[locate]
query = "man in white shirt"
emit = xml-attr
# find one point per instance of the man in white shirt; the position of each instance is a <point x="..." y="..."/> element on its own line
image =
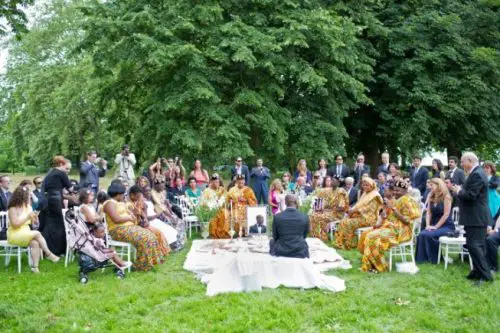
<point x="90" y="172"/>
<point x="339" y="170"/>
<point x="352" y="191"/>
<point x="125" y="162"/>
<point x="456" y="174"/>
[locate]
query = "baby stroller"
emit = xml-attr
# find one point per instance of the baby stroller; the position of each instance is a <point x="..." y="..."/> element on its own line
<point x="87" y="246"/>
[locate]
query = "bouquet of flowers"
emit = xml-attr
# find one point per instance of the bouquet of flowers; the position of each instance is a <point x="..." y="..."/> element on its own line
<point x="307" y="205"/>
<point x="206" y="211"/>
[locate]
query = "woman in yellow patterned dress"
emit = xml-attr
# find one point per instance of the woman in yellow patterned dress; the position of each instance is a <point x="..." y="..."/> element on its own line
<point x="238" y="197"/>
<point x="363" y="214"/>
<point x="19" y="233"/>
<point x="335" y="205"/>
<point x="396" y="228"/>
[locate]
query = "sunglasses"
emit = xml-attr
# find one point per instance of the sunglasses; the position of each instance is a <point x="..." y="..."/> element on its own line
<point x="239" y="161"/>
<point x="38" y="183"/>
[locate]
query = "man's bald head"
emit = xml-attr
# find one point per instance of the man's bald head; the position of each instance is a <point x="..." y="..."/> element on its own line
<point x="291" y="201"/>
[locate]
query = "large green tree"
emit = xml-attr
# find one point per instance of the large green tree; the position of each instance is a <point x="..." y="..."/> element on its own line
<point x="12" y="16"/>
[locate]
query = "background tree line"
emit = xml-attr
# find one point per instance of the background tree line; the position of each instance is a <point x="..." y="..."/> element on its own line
<point x="281" y="80"/>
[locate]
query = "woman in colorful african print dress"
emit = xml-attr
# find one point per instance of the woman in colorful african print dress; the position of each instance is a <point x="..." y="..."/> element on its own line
<point x="239" y="197"/>
<point x="363" y="214"/>
<point x="335" y="205"/>
<point x="121" y="228"/>
<point x="396" y="228"/>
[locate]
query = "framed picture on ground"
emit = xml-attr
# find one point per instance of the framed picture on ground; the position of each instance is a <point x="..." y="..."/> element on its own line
<point x="253" y="213"/>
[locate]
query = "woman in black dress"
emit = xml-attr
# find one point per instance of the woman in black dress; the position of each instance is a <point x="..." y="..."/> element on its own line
<point x="52" y="220"/>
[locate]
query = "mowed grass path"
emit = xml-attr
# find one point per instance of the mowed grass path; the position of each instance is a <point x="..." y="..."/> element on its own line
<point x="173" y="300"/>
<point x="170" y="299"/>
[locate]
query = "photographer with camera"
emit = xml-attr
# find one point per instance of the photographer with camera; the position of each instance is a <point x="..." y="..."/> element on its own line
<point x="91" y="170"/>
<point x="125" y="162"/>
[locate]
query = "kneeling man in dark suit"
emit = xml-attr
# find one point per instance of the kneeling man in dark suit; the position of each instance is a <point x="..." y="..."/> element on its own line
<point x="290" y="230"/>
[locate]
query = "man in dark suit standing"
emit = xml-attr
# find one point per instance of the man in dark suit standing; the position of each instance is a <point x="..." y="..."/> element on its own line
<point x="475" y="216"/>
<point x="259" y="227"/>
<point x="456" y="174"/>
<point x="90" y="172"/>
<point x="240" y="169"/>
<point x="419" y="175"/>
<point x="360" y="168"/>
<point x="5" y="194"/>
<point x="339" y="170"/>
<point x="260" y="174"/>
<point x="384" y="167"/>
<point x="290" y="230"/>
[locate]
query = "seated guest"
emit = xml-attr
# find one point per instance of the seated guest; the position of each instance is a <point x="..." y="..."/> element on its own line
<point x="322" y="169"/>
<point x="302" y="171"/>
<point x="493" y="181"/>
<point x="87" y="209"/>
<point x="360" y="168"/>
<point x="288" y="186"/>
<point x="142" y="182"/>
<point x="351" y="190"/>
<point x="302" y="190"/>
<point x="396" y="228"/>
<point x="290" y="230"/>
<point x="259" y="227"/>
<point x="21" y="216"/>
<point x="238" y="199"/>
<point x="384" y="167"/>
<point x="363" y="214"/>
<point x="394" y="172"/>
<point x="193" y="192"/>
<point x="214" y="192"/>
<point x="437" y="169"/>
<point x="138" y="208"/>
<point x="276" y="197"/>
<point x="317" y="182"/>
<point x="438" y="222"/>
<point x="121" y="226"/>
<point x="335" y="203"/>
<point x="449" y="186"/>
<point x="177" y="191"/>
<point x="492" y="243"/>
<point x="381" y="183"/>
<point x="427" y="191"/>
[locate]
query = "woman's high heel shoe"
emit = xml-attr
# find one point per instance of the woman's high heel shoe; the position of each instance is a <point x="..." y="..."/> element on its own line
<point x="52" y="257"/>
<point x="34" y="269"/>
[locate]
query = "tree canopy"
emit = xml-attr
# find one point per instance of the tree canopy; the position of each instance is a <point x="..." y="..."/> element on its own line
<point x="282" y="80"/>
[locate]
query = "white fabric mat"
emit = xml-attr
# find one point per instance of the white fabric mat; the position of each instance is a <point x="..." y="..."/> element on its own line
<point x="247" y="266"/>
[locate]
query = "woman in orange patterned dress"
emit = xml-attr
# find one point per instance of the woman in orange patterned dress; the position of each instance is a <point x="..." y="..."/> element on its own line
<point x="363" y="214"/>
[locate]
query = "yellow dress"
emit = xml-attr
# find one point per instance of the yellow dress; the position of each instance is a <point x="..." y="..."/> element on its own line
<point x="22" y="235"/>
<point x="331" y="201"/>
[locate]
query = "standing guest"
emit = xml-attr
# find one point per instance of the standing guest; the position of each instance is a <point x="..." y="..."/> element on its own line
<point x="90" y="172"/>
<point x="122" y="228"/>
<point x="200" y="175"/>
<point x="396" y="228"/>
<point x="5" y="194"/>
<point x="322" y="169"/>
<point x="438" y="222"/>
<point x="21" y="216"/>
<point x="352" y="191"/>
<point x="193" y="192"/>
<point x="339" y="170"/>
<point x="456" y="174"/>
<point x="290" y="230"/>
<point x="363" y="214"/>
<point x="437" y="169"/>
<point x="156" y="171"/>
<point x="492" y="243"/>
<point x="276" y="198"/>
<point x="175" y="169"/>
<point x="384" y="167"/>
<point x="419" y="174"/>
<point x="259" y="227"/>
<point x="381" y="182"/>
<point x="125" y="162"/>
<point x="360" y="168"/>
<point x="177" y="191"/>
<point x="240" y="169"/>
<point x="428" y="189"/>
<point x="302" y="171"/>
<point x="475" y="215"/>
<point x="454" y="198"/>
<point x="394" y="172"/>
<point x="288" y="186"/>
<point x="38" y="193"/>
<point x="493" y="181"/>
<point x="335" y="205"/>
<point x="51" y="217"/>
<point x="260" y="174"/>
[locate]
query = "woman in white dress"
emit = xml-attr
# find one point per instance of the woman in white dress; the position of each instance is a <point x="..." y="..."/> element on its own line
<point x="168" y="231"/>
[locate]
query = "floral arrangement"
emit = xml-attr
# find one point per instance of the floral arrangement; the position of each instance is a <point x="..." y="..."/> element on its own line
<point x="206" y="211"/>
<point x="306" y="205"/>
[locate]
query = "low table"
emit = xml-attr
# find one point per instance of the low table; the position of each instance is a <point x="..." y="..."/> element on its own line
<point x="246" y="265"/>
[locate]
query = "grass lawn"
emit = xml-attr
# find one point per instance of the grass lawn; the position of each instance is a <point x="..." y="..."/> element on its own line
<point x="172" y="300"/>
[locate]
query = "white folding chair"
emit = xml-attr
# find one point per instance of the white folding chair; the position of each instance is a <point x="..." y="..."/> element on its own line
<point x="452" y="245"/>
<point x="123" y="246"/>
<point x="188" y="216"/>
<point x="9" y="250"/>
<point x="406" y="248"/>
